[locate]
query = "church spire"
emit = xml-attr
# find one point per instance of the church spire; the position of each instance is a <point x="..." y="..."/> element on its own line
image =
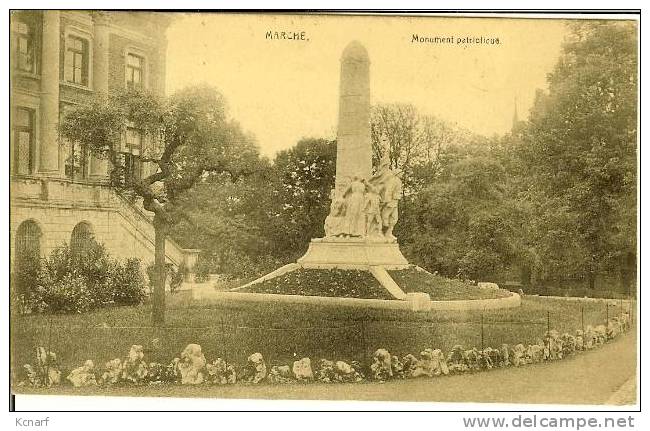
<point x="515" y="116"/>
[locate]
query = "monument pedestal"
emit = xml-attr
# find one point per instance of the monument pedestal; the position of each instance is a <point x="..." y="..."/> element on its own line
<point x="352" y="253"/>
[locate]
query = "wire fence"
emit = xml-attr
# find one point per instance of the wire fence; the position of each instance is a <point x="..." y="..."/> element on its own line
<point x="233" y="338"/>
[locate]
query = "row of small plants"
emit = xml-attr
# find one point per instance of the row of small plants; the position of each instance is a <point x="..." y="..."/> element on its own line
<point x="76" y="281"/>
<point x="192" y="368"/>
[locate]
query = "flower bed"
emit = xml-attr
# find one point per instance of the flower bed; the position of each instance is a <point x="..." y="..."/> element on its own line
<point x="323" y="282"/>
<point x="441" y="288"/>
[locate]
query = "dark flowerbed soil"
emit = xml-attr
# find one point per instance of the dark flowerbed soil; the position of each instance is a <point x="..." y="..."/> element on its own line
<point x="323" y="282"/>
<point x="442" y="288"/>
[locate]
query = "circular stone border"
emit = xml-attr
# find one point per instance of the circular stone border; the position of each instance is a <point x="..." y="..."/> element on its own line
<point x="412" y="303"/>
<point x="512" y="301"/>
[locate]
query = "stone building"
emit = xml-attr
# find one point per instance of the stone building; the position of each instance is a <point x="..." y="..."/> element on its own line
<point x="58" y="193"/>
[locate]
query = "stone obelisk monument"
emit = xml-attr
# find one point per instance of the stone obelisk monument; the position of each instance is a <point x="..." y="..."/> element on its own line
<point x="363" y="209"/>
<point x="354" y="150"/>
<point x="359" y="230"/>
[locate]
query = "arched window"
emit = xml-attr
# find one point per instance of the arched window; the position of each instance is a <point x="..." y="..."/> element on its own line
<point x="81" y="239"/>
<point x="28" y="244"/>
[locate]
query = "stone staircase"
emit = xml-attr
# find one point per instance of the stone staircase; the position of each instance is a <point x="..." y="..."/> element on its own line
<point x="57" y="205"/>
<point x="141" y="221"/>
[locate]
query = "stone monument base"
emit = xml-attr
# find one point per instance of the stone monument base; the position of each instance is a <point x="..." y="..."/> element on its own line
<point x="352" y="253"/>
<point x="377" y="256"/>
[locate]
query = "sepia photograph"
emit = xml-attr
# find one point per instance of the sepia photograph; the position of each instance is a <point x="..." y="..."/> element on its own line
<point x="335" y="206"/>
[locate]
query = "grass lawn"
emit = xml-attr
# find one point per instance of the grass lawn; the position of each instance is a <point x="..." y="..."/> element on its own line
<point x="285" y="332"/>
<point x="601" y="292"/>
<point x="441" y="288"/>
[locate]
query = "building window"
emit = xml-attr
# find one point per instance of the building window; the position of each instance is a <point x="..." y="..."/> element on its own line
<point x="27" y="256"/>
<point x="76" y="162"/>
<point x="28" y="243"/>
<point x="23" y="141"/>
<point x="76" y="60"/>
<point x="133" y="149"/>
<point x="24" y="46"/>
<point x="82" y="239"/>
<point x="134" y="71"/>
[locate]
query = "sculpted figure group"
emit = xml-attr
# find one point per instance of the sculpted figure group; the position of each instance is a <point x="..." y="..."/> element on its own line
<point x="364" y="208"/>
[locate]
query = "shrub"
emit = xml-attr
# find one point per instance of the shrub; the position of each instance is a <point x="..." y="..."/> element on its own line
<point x="24" y="280"/>
<point x="238" y="266"/>
<point x="202" y="269"/>
<point x="97" y="267"/>
<point x="69" y="294"/>
<point x="26" y="275"/>
<point x="175" y="276"/>
<point x="128" y="283"/>
<point x="94" y="266"/>
<point x="74" y="282"/>
<point x="478" y="264"/>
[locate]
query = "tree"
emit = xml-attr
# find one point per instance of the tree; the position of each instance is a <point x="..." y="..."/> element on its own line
<point x="418" y="144"/>
<point x="579" y="151"/>
<point x="264" y="219"/>
<point x="229" y="220"/>
<point x="402" y="126"/>
<point x="462" y="224"/>
<point x="186" y="138"/>
<point x="304" y="178"/>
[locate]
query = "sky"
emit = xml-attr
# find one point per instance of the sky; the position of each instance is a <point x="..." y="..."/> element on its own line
<point x="284" y="90"/>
